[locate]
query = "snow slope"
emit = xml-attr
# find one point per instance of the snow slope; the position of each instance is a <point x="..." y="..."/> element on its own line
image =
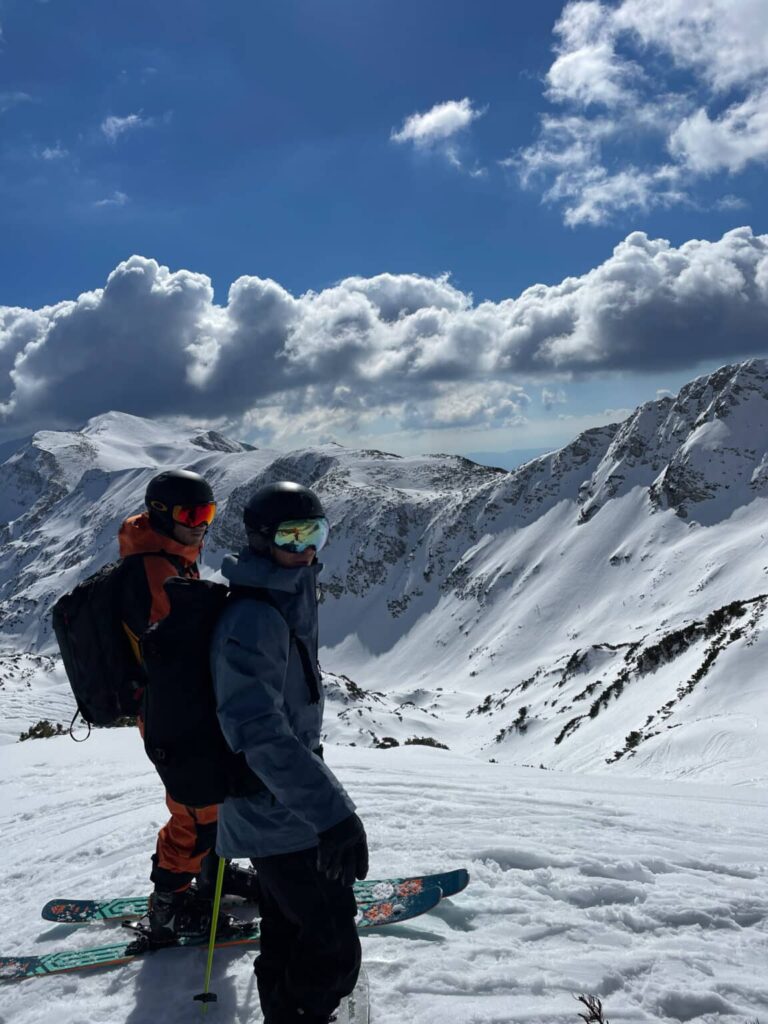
<point x="652" y="895"/>
<point x="600" y="609"/>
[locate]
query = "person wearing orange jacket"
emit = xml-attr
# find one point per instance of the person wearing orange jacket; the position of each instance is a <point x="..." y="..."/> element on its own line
<point x="170" y="533"/>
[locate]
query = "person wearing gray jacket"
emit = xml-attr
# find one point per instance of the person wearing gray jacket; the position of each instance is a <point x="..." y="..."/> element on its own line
<point x="300" y="830"/>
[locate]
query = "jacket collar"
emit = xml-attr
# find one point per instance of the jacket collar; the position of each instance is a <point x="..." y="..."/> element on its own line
<point x="247" y="569"/>
<point x="138" y="537"/>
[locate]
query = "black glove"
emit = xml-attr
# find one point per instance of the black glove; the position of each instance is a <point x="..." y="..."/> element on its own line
<point x="342" y="853"/>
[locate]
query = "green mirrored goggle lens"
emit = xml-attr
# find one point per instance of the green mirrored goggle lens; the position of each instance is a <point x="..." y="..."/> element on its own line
<point x="297" y="535"/>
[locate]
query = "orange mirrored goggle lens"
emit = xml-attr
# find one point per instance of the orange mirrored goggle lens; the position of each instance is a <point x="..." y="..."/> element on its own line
<point x="194" y="515"/>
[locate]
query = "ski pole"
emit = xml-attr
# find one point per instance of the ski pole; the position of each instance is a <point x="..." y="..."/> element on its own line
<point x="206" y="996"/>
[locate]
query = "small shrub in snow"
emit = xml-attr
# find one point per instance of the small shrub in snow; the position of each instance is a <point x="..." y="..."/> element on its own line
<point x="520" y="722"/>
<point x="633" y="739"/>
<point x="594" y="1014"/>
<point x="576" y="662"/>
<point x="386" y="742"/>
<point x="613" y="691"/>
<point x="720" y="617"/>
<point x="483" y="708"/>
<point x="42" y="730"/>
<point x="425" y="741"/>
<point x="519" y="725"/>
<point x="127" y="721"/>
<point x="355" y="692"/>
<point x="568" y="728"/>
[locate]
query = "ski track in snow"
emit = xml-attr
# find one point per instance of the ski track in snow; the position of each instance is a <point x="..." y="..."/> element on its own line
<point x="651" y="895"/>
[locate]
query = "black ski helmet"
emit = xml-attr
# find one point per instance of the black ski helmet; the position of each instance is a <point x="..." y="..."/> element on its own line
<point x="274" y="504"/>
<point x="174" y="487"/>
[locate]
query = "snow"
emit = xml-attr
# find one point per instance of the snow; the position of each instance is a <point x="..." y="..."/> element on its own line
<point x="651" y="894"/>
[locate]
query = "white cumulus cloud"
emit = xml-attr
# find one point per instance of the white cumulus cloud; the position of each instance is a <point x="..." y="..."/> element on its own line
<point x="727" y="142"/>
<point x="416" y="353"/>
<point x="440" y="130"/>
<point x="441" y="122"/>
<point x="684" y="84"/>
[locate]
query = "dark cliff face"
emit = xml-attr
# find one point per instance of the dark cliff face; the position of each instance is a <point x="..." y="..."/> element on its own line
<point x="692" y="450"/>
<point x="213" y="441"/>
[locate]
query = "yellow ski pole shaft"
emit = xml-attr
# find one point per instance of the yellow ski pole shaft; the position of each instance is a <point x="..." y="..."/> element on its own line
<point x="206" y="996"/>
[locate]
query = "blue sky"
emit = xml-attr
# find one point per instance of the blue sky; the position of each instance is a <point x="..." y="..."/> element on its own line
<point x="308" y="143"/>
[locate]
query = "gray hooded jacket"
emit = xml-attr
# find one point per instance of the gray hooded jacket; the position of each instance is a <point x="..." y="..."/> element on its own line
<point x="265" y="711"/>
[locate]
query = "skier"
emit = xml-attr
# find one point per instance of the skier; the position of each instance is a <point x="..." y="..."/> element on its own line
<point x="301" y="832"/>
<point x="179" y="509"/>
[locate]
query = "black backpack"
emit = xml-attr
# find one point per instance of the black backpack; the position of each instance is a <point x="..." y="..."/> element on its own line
<point x="182" y="736"/>
<point x="101" y="666"/>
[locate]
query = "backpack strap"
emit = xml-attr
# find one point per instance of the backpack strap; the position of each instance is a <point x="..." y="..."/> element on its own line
<point x="176" y="561"/>
<point x="140" y="587"/>
<point x="310" y="672"/>
<point x="71" y="729"/>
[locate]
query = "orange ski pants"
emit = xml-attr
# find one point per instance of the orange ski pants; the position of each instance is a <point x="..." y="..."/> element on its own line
<point x="182" y="844"/>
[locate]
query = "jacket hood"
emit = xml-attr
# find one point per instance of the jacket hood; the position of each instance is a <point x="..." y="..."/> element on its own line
<point x="251" y="570"/>
<point x="138" y="537"/>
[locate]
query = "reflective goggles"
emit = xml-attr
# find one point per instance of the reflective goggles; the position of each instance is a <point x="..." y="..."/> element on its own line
<point x="297" y="535"/>
<point x="194" y="515"/>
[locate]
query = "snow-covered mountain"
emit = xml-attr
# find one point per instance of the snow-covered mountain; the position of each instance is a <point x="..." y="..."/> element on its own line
<point x="600" y="608"/>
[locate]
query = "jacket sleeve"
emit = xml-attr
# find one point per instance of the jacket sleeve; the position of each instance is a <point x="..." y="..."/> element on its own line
<point x="249" y="669"/>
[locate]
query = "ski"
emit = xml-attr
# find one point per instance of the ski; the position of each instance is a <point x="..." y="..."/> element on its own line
<point x="369" y="915"/>
<point x="64" y="911"/>
<point x="355" y="1009"/>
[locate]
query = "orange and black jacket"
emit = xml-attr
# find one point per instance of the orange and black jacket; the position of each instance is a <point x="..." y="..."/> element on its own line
<point x="144" y="600"/>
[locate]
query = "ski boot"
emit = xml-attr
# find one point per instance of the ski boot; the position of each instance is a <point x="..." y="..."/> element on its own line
<point x="185" y="914"/>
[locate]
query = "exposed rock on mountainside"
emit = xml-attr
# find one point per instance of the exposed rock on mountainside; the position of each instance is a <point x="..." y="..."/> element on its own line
<point x="212" y="441"/>
<point x="692" y="449"/>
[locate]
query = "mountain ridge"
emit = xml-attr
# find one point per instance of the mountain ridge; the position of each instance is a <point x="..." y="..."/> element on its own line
<point x="456" y="583"/>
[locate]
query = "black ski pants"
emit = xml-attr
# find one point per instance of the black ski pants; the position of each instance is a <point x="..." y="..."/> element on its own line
<point x="310" y="949"/>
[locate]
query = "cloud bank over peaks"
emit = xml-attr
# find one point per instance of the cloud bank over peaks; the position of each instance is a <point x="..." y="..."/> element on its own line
<point x="394" y="351"/>
<point x="650" y="96"/>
